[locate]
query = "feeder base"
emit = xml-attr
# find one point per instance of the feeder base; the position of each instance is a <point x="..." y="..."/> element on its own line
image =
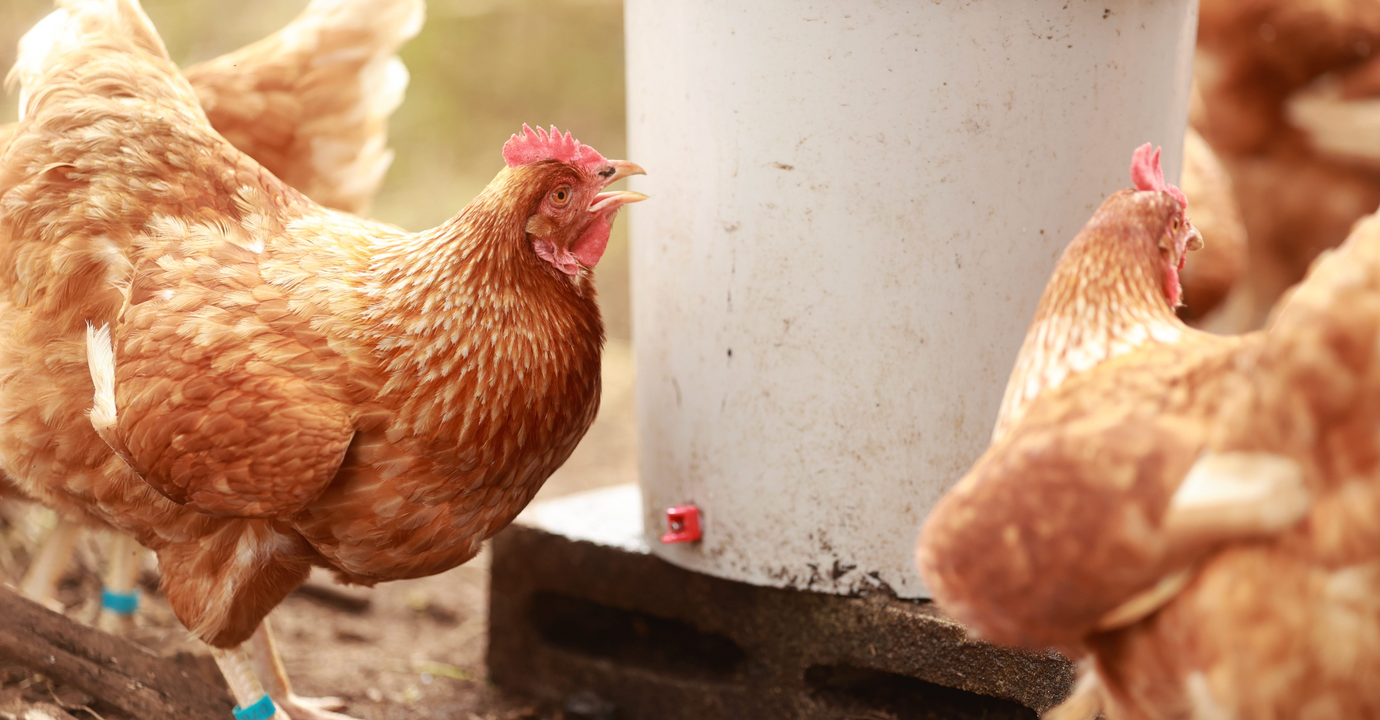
<point x="581" y="614"/>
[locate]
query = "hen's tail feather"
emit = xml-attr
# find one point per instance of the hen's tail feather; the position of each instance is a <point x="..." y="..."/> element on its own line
<point x="100" y="361"/>
<point x="1144" y="603"/>
<point x="312" y="101"/>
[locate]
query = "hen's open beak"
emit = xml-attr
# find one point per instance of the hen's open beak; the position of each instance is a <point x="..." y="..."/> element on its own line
<point x="613" y="172"/>
<point x="611" y="200"/>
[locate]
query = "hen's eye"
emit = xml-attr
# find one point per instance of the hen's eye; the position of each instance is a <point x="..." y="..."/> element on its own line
<point x="561" y="196"/>
<point x="1175" y="225"/>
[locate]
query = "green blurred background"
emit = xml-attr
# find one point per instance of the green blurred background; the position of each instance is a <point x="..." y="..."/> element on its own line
<point x="480" y="68"/>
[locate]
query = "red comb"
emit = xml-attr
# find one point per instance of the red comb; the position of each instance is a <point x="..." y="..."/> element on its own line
<point x="533" y="145"/>
<point x="1147" y="174"/>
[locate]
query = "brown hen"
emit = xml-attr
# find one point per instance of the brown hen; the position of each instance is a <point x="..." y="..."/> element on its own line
<point x="1072" y="520"/>
<point x="276" y="385"/>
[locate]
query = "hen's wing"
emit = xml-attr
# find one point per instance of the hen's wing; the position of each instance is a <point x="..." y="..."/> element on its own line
<point x="311" y="102"/>
<point x="218" y="391"/>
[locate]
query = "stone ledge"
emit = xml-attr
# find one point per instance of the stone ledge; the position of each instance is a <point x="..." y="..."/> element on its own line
<point x="600" y="614"/>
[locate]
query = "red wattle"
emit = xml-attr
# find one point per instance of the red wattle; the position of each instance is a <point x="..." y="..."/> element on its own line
<point x="591" y="245"/>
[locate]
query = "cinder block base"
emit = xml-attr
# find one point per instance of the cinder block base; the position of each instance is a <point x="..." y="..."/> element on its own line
<point x="578" y="605"/>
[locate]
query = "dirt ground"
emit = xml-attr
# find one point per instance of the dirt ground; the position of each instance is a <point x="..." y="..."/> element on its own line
<point x="416" y="650"/>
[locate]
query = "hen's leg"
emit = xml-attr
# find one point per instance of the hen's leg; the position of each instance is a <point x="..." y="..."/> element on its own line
<point x="119" y="597"/>
<point x="41" y="581"/>
<point x="270" y="668"/>
<point x="250" y="699"/>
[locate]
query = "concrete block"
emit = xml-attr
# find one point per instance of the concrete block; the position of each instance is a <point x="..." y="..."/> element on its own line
<point x="581" y="612"/>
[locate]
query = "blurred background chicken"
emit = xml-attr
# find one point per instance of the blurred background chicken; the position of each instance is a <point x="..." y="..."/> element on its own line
<point x="311" y="103"/>
<point x="1286" y="627"/>
<point x="1088" y="515"/>
<point x="1070" y="521"/>
<point x="1286" y="95"/>
<point x="1237" y="584"/>
<point x="1210" y="273"/>
<point x="411" y="430"/>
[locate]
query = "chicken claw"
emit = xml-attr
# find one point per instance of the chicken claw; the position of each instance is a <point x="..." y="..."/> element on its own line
<point x="269" y="667"/>
<point x="304" y="708"/>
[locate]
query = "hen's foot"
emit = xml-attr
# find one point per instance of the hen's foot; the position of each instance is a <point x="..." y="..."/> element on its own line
<point x="308" y="708"/>
<point x="270" y="669"/>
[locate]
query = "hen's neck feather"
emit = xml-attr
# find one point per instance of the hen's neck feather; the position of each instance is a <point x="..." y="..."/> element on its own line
<point x="1105" y="299"/>
<point x="470" y="297"/>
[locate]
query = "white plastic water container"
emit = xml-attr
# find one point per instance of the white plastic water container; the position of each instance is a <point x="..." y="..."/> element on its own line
<point x="855" y="207"/>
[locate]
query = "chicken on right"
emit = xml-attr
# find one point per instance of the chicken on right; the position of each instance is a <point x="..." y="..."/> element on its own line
<point x="1196" y="518"/>
<point x="1077" y="520"/>
<point x="1287" y="626"/>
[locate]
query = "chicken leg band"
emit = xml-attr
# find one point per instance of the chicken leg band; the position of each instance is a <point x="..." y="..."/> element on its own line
<point x="261" y="710"/>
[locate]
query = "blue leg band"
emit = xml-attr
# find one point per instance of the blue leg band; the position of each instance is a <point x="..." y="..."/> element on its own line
<point x="118" y="602"/>
<point x="261" y="710"/>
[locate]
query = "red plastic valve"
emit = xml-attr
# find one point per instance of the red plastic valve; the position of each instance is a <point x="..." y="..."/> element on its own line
<point x="684" y="524"/>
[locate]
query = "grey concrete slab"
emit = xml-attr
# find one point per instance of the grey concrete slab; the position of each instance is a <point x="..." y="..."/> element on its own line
<point x="581" y="612"/>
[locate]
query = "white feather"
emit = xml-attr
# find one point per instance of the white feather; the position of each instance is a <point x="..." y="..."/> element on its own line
<point x="100" y="359"/>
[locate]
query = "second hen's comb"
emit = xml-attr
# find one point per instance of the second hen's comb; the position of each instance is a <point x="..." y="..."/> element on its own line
<point x="533" y="145"/>
<point x="1148" y="176"/>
